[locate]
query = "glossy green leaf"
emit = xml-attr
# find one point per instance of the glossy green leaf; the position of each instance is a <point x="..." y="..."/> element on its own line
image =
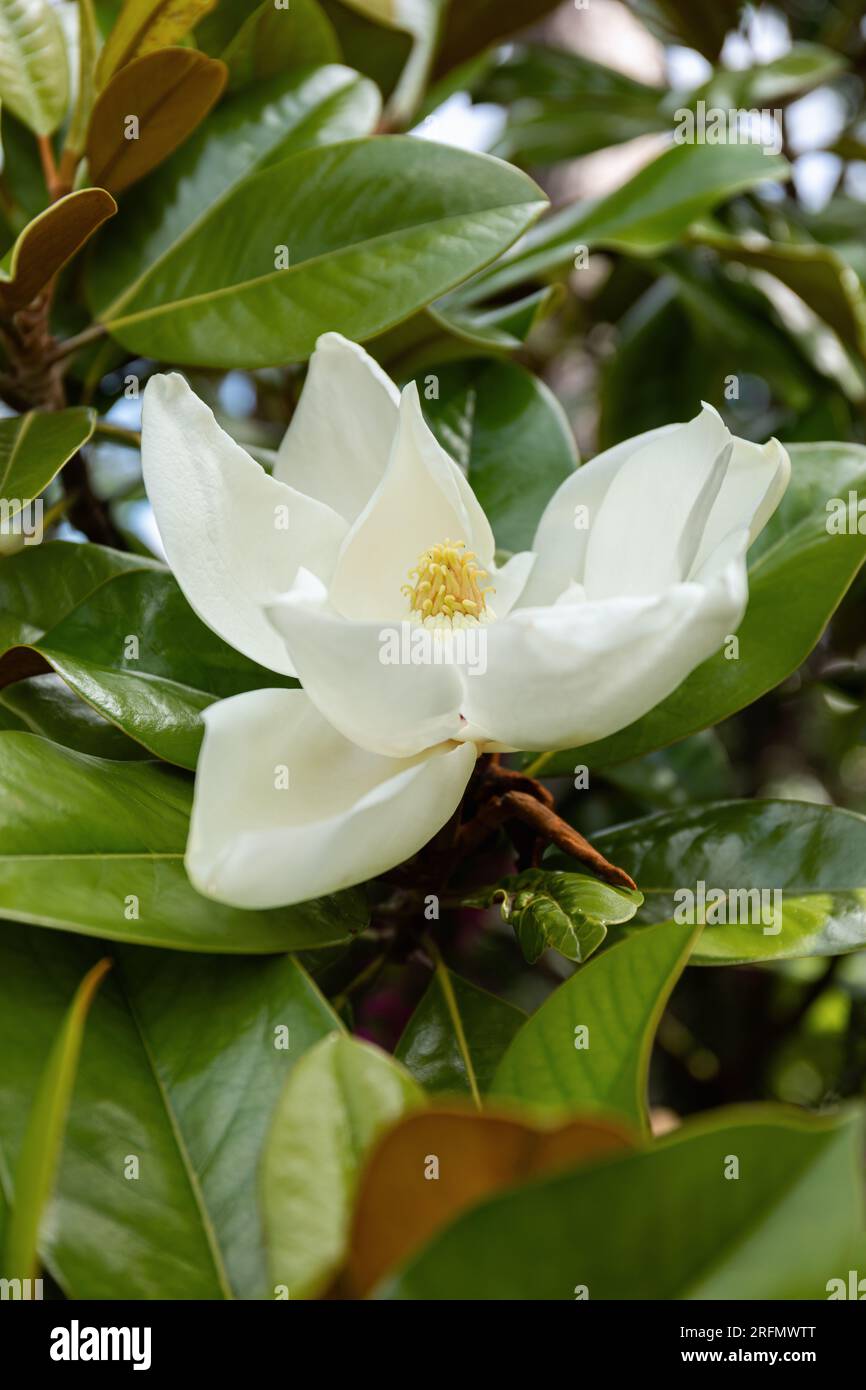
<point x="34" y="79"/>
<point x="648" y="213"/>
<point x="48" y="242"/>
<point x="41" y="584"/>
<point x="93" y="846"/>
<point x="376" y="50"/>
<point x="667" y="1223"/>
<point x="588" y="1046"/>
<point x="45" y="705"/>
<point x="447" y="1039"/>
<point x="813" y="857"/>
<point x="39" y="1155"/>
<point x="509" y="433"/>
<point x="776" y="635"/>
<point x="244" y="134"/>
<point x="333" y="1107"/>
<point x="565" y="912"/>
<point x="356" y="264"/>
<point x="136" y="652"/>
<point x="182" y="1065"/>
<point x="272" y="41"/>
<point x="33" y="449"/>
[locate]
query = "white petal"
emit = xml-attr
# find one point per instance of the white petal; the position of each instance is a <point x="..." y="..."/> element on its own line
<point x="654" y="511"/>
<point x="221" y="519"/>
<point x="422" y="500"/>
<point x="509" y="582"/>
<point x="338" y="443"/>
<point x="752" y="490"/>
<point x="562" y="533"/>
<point x="567" y="675"/>
<point x="344" y="817"/>
<point x="347" y="669"/>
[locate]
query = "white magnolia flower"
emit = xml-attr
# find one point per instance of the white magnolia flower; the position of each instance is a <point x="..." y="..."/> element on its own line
<point x="416" y="651"/>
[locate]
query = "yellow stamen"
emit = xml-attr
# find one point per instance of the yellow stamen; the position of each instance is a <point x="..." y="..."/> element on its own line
<point x="445" y="586"/>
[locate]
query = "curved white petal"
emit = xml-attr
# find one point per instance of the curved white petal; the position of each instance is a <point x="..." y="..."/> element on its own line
<point x="509" y="582"/>
<point x="362" y="676"/>
<point x="563" y="531"/>
<point x="286" y="809"/>
<point x="422" y="500"/>
<point x="567" y="675"/>
<point x="234" y="537"/>
<point x="652" y="518"/>
<point x="754" y="485"/>
<point x="337" y="446"/>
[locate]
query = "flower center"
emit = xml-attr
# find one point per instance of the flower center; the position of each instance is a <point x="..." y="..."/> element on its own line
<point x="444" y="588"/>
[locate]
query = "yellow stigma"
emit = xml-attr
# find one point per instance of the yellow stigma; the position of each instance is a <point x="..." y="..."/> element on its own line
<point x="445" y="589"/>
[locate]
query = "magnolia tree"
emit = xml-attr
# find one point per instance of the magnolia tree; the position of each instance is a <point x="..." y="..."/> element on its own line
<point x="372" y="772"/>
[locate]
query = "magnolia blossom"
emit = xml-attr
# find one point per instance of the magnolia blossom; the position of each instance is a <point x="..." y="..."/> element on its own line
<point x="365" y="567"/>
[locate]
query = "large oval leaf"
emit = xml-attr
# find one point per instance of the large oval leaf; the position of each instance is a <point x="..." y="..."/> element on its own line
<point x="182" y="1064"/>
<point x="333" y="1107"/>
<point x="244" y="134"/>
<point x="667" y="1223"/>
<point x="143" y="26"/>
<point x="34" y="77"/>
<point x="34" y="447"/>
<point x="618" y="998"/>
<point x="776" y="635"/>
<point x="255" y="285"/>
<point x="813" y="857"/>
<point x="97" y="847"/>
<point x="155" y="687"/>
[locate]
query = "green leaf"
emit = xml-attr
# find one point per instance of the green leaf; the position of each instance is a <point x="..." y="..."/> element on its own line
<point x="41" y="584"/>
<point x="648" y="213"/>
<point x="356" y="264"/>
<point x="563" y="105"/>
<point x="775" y="637"/>
<point x="33" y="449"/>
<point x="34" y="79"/>
<point x="143" y="26"/>
<point x="272" y="41"/>
<point x="698" y="769"/>
<point x="804" y="66"/>
<point x="337" y="1101"/>
<point x="44" y="705"/>
<point x="813" y="856"/>
<point x="447" y="1040"/>
<point x="816" y="273"/>
<point x="39" y="1154"/>
<point x="618" y="998"/>
<point x="48" y="242"/>
<point x="170" y="92"/>
<point x="156" y="691"/>
<point x="244" y="134"/>
<point x="565" y="912"/>
<point x="665" y="1223"/>
<point x="93" y="846"/>
<point x="510" y="435"/>
<point x="182" y="1066"/>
